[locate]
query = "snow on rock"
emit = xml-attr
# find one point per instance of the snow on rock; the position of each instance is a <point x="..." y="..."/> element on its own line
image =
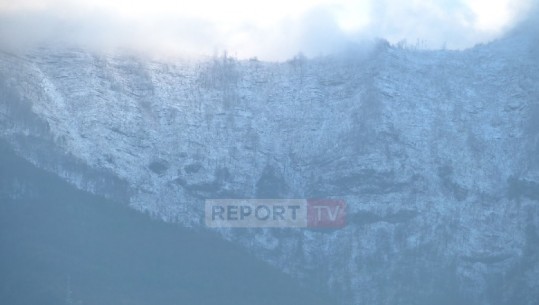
<point x="435" y="152"/>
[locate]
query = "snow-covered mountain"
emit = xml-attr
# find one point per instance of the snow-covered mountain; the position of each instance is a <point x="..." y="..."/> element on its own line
<point x="435" y="152"/>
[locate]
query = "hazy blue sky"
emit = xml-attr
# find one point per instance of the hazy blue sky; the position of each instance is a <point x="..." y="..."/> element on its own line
<point x="269" y="29"/>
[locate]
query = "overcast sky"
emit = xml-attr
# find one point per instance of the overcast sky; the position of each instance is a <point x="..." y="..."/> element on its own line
<point x="268" y="29"/>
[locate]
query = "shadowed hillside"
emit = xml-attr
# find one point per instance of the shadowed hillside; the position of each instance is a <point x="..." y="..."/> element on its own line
<point x="59" y="245"/>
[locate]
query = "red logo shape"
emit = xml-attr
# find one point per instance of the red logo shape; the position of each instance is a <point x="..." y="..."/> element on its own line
<point x="326" y="213"/>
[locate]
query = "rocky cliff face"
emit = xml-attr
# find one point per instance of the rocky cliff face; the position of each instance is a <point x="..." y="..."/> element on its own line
<point x="435" y="152"/>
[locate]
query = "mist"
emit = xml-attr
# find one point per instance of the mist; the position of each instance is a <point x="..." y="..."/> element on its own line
<point x="270" y="31"/>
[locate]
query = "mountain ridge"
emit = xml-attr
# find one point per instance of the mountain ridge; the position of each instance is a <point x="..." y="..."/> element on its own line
<point x="441" y="135"/>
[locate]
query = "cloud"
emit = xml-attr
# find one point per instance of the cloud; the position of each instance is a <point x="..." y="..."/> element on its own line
<point x="101" y="30"/>
<point x="273" y="30"/>
<point x="455" y="24"/>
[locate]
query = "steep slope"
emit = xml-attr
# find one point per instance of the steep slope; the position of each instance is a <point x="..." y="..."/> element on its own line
<point x="64" y="246"/>
<point x="435" y="152"/>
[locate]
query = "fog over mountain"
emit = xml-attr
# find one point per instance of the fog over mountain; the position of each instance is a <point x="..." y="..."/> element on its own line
<point x="436" y="153"/>
<point x="270" y="30"/>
